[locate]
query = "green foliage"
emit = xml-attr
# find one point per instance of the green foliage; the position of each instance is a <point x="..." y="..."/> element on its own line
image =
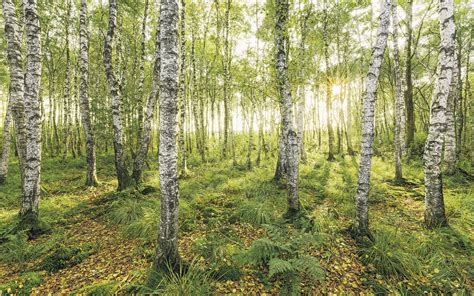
<point x="387" y="256"/>
<point x="256" y="212"/>
<point x="23" y="285"/>
<point x="281" y="253"/>
<point x="188" y="280"/>
<point x="65" y="256"/>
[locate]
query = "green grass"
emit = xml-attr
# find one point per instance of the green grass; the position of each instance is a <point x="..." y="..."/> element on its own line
<point x="218" y="200"/>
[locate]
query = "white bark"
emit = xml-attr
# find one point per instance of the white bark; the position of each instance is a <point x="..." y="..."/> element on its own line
<point x="15" y="60"/>
<point x="450" y="157"/>
<point x="182" y="91"/>
<point x="288" y="135"/>
<point x="67" y="87"/>
<point x="167" y="250"/>
<point x="122" y="172"/>
<point x="91" y="178"/>
<point x="145" y="138"/>
<point x="361" y="225"/>
<point x="434" y="200"/>
<point x="31" y="187"/>
<point x="399" y="104"/>
<point x="6" y="143"/>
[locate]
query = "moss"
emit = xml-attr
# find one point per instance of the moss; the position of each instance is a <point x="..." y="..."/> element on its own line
<point x="33" y="225"/>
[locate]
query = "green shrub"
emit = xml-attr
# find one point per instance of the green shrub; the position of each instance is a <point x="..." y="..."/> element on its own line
<point x="23" y="285"/>
<point x="388" y="257"/>
<point x="256" y="212"/>
<point x="281" y="253"/>
<point x="188" y="280"/>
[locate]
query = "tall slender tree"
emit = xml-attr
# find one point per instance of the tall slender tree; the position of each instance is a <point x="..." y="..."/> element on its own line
<point x="167" y="249"/>
<point x="450" y="157"/>
<point x="361" y="223"/>
<point x="91" y="177"/>
<point x="410" y="111"/>
<point x="328" y="86"/>
<point x="67" y="85"/>
<point x="145" y="138"/>
<point x="120" y="166"/>
<point x="6" y="143"/>
<point x="182" y="91"/>
<point x="17" y="87"/>
<point x="288" y="134"/>
<point x="434" y="200"/>
<point x="32" y="174"/>
<point x="399" y="105"/>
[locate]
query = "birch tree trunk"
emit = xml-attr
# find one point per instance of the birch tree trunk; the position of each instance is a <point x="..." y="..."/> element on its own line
<point x="141" y="82"/>
<point x="434" y="200"/>
<point x="227" y="125"/>
<point x="67" y="87"/>
<point x="15" y="60"/>
<point x="450" y="141"/>
<point x="145" y="138"/>
<point x="91" y="177"/>
<point x="182" y="92"/>
<point x="288" y="135"/>
<point x="301" y="91"/>
<point x="399" y="105"/>
<point x="328" y="89"/>
<point x="31" y="186"/>
<point x="361" y="223"/>
<point x="6" y="143"/>
<point x="167" y="249"/>
<point x="410" y="113"/>
<point x="120" y="167"/>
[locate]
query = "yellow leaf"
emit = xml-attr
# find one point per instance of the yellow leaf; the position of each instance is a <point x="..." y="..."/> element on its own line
<point x="436" y="270"/>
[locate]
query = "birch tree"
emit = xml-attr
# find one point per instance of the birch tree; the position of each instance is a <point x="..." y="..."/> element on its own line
<point x="328" y="87"/>
<point x="15" y="61"/>
<point x="450" y="157"/>
<point x="399" y="105"/>
<point x="182" y="91"/>
<point x="120" y="167"/>
<point x="434" y="200"/>
<point x="67" y="85"/>
<point x="288" y="134"/>
<point x="91" y="177"/>
<point x="145" y="138"/>
<point x="31" y="186"/>
<point x="361" y="223"/>
<point x="167" y="249"/>
<point x="6" y="143"/>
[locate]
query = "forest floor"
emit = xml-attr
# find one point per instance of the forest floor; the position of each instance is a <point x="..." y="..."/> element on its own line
<point x="233" y="235"/>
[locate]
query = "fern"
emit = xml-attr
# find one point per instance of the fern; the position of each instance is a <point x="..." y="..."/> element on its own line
<point x="309" y="265"/>
<point x="256" y="213"/>
<point x="280" y="266"/>
<point x="262" y="250"/>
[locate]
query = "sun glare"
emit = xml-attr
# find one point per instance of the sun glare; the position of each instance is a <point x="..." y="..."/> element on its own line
<point x="336" y="89"/>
